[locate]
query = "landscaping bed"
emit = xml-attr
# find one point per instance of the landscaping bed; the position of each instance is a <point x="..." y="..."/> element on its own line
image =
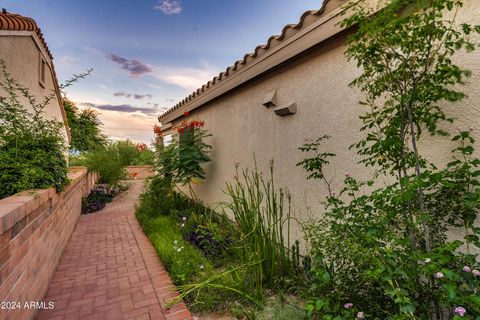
<point x="210" y="259"/>
<point x="102" y="194"/>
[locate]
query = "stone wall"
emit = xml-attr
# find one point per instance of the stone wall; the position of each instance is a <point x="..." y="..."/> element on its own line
<point x="35" y="227"/>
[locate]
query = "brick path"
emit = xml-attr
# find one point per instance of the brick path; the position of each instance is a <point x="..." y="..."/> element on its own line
<point x="109" y="270"/>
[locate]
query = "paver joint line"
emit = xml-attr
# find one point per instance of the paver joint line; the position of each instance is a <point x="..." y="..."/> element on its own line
<point x="109" y="269"/>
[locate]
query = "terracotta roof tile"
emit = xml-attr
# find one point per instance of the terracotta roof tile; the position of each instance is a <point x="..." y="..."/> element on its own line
<point x="16" y="22"/>
<point x="289" y="30"/>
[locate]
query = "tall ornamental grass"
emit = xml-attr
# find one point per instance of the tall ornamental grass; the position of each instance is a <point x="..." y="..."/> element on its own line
<point x="262" y="215"/>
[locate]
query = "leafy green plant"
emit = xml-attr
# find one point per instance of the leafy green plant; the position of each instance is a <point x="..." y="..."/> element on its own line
<point x="85" y="128"/>
<point x="106" y="162"/>
<point x="32" y="148"/>
<point x="182" y="161"/>
<point x="395" y="260"/>
<point x="190" y="269"/>
<point x="192" y="152"/>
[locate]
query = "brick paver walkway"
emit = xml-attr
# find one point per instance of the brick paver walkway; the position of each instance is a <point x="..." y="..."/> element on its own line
<point x="109" y="270"/>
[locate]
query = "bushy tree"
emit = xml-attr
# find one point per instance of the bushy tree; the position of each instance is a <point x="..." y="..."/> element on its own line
<point x="85" y="128"/>
<point x="32" y="148"/>
<point x="386" y="254"/>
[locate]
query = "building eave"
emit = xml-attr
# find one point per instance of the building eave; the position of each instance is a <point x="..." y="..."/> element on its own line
<point x="314" y="27"/>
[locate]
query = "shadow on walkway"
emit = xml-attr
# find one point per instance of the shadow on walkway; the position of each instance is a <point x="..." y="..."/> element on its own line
<point x="109" y="270"/>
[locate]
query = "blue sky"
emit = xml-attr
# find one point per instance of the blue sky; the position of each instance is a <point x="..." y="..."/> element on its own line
<point x="148" y="54"/>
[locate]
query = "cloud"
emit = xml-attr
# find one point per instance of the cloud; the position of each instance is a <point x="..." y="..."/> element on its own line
<point x="121" y="122"/>
<point x="187" y="78"/>
<point x="120" y="108"/>
<point x="169" y="6"/>
<point x="135" y="67"/>
<point x="66" y="61"/>
<point x="130" y="95"/>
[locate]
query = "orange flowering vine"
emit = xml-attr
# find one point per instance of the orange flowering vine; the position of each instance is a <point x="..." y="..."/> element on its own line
<point x="157" y="130"/>
<point x="141" y="147"/>
<point x="189" y="125"/>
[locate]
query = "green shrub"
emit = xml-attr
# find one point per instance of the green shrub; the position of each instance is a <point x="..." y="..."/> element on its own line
<point x="144" y="157"/>
<point x="185" y="263"/>
<point x="78" y="160"/>
<point x="85" y="128"/>
<point x="107" y="164"/>
<point x="182" y="161"/>
<point x="127" y="152"/>
<point x="385" y="254"/>
<point x="130" y="153"/>
<point x="31" y="161"/>
<point x="31" y="147"/>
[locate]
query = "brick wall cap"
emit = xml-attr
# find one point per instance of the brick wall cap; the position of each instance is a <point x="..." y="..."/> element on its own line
<point x="17" y="206"/>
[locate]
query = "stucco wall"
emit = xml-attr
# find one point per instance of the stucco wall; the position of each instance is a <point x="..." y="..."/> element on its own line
<point x="318" y="82"/>
<point x="21" y="55"/>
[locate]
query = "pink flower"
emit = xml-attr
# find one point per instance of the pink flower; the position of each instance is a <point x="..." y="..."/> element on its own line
<point x="360" y="315"/>
<point x="476" y="273"/>
<point x="460" y="311"/>
<point x="348" y="305"/>
<point x="467" y="269"/>
<point x="439" y="275"/>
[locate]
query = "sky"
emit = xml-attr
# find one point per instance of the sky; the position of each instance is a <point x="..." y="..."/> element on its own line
<point x="147" y="55"/>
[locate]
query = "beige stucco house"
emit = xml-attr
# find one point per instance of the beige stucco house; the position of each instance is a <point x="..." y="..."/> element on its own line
<point x="30" y="62"/>
<point x="295" y="87"/>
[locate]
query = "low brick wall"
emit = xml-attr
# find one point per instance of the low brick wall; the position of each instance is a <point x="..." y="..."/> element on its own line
<point x="140" y="172"/>
<point x="35" y="227"/>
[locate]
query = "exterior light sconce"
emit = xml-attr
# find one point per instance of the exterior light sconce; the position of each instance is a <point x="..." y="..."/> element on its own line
<point x="286" y="110"/>
<point x="270" y="99"/>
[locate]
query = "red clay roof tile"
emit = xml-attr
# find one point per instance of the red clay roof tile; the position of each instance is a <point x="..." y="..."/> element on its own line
<point x="16" y="22"/>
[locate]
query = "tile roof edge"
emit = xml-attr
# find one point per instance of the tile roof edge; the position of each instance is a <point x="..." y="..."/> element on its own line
<point x="16" y="22"/>
<point x="231" y="69"/>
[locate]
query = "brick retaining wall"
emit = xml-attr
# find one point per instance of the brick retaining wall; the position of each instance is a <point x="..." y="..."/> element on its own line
<point x="35" y="227"/>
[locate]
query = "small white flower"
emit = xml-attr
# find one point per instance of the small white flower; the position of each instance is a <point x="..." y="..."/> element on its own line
<point x="428" y="260"/>
<point x="201" y="266"/>
<point x="182" y="225"/>
<point x="439" y="275"/>
<point x="184" y="218"/>
<point x="360" y="315"/>
<point x="175" y="242"/>
<point x="179" y="249"/>
<point x="476" y="273"/>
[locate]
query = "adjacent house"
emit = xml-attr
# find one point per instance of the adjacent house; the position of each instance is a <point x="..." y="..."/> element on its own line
<point x="295" y="87"/>
<point x="30" y="62"/>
